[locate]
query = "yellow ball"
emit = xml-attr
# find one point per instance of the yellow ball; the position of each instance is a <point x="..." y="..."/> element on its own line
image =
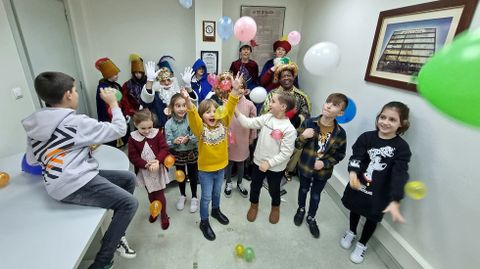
<point x="4" y="178"/>
<point x="239" y="250"/>
<point x="416" y="190"/>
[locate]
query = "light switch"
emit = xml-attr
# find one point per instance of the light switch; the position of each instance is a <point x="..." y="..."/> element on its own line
<point x="17" y="93"/>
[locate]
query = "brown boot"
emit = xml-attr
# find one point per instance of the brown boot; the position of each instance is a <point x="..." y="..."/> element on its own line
<point x="274" y="214"/>
<point x="252" y="212"/>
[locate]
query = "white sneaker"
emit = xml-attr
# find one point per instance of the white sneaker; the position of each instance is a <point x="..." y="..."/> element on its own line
<point x="193" y="205"/>
<point x="181" y="203"/>
<point x="228" y="190"/>
<point x="346" y="241"/>
<point x="124" y="250"/>
<point x="358" y="253"/>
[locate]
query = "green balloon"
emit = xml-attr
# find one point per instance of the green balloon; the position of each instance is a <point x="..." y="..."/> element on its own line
<point x="249" y="254"/>
<point x="450" y="80"/>
<point x="119" y="95"/>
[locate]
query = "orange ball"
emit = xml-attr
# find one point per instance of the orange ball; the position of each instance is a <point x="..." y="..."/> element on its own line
<point x="155" y="208"/>
<point x="179" y="176"/>
<point x="4" y="178"/>
<point x="169" y="161"/>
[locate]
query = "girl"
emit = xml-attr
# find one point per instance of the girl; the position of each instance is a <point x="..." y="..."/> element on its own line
<point x="147" y="150"/>
<point x="238" y="149"/>
<point x="378" y="172"/>
<point x="212" y="149"/>
<point x="183" y="145"/>
<point x="275" y="145"/>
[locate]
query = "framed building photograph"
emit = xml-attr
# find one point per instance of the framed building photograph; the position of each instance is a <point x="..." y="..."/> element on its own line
<point x="406" y="37"/>
<point x="208" y="31"/>
<point x="210" y="58"/>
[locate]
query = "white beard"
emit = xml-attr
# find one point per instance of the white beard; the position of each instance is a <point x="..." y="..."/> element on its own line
<point x="166" y="92"/>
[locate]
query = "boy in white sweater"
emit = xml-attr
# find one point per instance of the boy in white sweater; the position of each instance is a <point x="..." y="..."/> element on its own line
<point x="275" y="145"/>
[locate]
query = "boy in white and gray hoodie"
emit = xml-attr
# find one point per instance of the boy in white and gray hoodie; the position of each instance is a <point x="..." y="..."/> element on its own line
<point x="59" y="140"/>
<point x="275" y="145"/>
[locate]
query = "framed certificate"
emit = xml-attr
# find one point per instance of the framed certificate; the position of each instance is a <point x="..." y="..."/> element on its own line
<point x="210" y="58"/>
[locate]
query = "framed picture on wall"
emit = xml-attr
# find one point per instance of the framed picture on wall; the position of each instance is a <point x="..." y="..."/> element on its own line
<point x="269" y="29"/>
<point x="210" y="58"/>
<point x="406" y="37"/>
<point x="208" y="31"/>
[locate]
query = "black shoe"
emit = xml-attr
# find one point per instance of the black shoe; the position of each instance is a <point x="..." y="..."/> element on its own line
<point x="312" y="225"/>
<point x="217" y="214"/>
<point x="247" y="177"/>
<point x="242" y="190"/>
<point x="207" y="230"/>
<point x="298" y="219"/>
<point x="283" y="192"/>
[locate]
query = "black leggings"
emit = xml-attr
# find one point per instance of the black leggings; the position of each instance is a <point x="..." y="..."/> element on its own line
<point x="192" y="175"/>
<point x="368" y="228"/>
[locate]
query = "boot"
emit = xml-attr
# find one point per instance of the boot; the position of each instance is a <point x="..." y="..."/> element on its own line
<point x="207" y="230"/>
<point x="252" y="212"/>
<point x="274" y="214"/>
<point x="217" y="214"/>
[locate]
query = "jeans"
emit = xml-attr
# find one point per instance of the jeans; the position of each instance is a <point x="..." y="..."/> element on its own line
<point x="211" y="183"/>
<point x="317" y="186"/>
<point x="240" y="171"/>
<point x="110" y="189"/>
<point x="273" y="178"/>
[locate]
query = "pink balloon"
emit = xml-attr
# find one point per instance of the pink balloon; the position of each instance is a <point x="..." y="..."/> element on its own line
<point x="277" y="134"/>
<point x="245" y="29"/>
<point x="294" y="37"/>
<point x="231" y="138"/>
<point x="212" y="79"/>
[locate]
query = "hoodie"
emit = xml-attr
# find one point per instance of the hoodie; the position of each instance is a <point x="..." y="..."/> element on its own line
<point x="59" y="140"/>
<point x="201" y="86"/>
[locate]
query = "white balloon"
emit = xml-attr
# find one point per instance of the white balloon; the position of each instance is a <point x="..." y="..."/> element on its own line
<point x="321" y="58"/>
<point x="258" y="95"/>
<point x="186" y="3"/>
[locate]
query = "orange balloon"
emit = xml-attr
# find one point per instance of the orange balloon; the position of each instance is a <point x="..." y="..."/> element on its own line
<point x="169" y="161"/>
<point x="4" y="178"/>
<point x="179" y="175"/>
<point x="155" y="208"/>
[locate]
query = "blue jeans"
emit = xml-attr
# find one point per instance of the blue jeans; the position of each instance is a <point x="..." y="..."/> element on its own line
<point x="110" y="189"/>
<point x="211" y="183"/>
<point x="315" y="186"/>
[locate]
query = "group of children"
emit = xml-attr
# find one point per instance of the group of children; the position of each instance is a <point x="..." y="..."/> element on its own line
<point x="206" y="142"/>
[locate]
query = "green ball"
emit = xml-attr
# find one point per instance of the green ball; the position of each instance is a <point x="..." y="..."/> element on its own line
<point x="119" y="95"/>
<point x="450" y="80"/>
<point x="249" y="254"/>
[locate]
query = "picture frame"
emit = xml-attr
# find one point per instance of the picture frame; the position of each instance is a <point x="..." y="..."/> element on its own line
<point x="210" y="58"/>
<point x="209" y="31"/>
<point x="406" y="37"/>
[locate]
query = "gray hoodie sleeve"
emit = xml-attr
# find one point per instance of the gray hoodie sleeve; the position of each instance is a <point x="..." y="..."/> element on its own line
<point x="91" y="131"/>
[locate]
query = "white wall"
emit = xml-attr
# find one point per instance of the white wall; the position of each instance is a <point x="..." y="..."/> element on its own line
<point x="207" y="10"/>
<point x="441" y="229"/>
<point x="12" y="135"/>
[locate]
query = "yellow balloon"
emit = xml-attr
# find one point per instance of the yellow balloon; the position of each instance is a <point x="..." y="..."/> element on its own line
<point x="179" y="175"/>
<point x="4" y="178"/>
<point x="239" y="250"/>
<point x="220" y="113"/>
<point x="169" y="161"/>
<point x="416" y="190"/>
<point x="155" y="208"/>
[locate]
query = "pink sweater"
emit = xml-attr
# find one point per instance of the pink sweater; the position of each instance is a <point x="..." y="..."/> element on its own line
<point x="239" y="151"/>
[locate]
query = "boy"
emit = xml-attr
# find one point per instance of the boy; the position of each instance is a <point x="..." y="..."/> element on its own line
<point x="323" y="142"/>
<point x="246" y="66"/>
<point x="59" y="139"/>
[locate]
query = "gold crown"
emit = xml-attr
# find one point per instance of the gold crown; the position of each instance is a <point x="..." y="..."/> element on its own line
<point x="164" y="74"/>
<point x="291" y="66"/>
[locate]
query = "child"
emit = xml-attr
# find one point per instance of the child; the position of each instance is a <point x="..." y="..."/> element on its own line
<point x="247" y="67"/>
<point x="213" y="152"/>
<point x="147" y="150"/>
<point x="184" y="146"/>
<point x="199" y="80"/>
<point x="323" y="144"/>
<point x="275" y="145"/>
<point x="132" y="89"/>
<point x="59" y="140"/>
<point x="238" y="148"/>
<point x="378" y="172"/>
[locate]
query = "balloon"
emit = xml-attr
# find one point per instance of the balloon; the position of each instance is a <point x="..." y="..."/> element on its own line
<point x="284" y="60"/>
<point x="119" y="95"/>
<point x="155" y="208"/>
<point x="349" y="113"/>
<point x="416" y="190"/>
<point x="179" y="176"/>
<point x="220" y="113"/>
<point x="321" y="58"/>
<point x="294" y="38"/>
<point x="450" y="80"/>
<point x="169" y="161"/>
<point x="277" y="134"/>
<point x="225" y="27"/>
<point x="249" y="254"/>
<point x="245" y="29"/>
<point x="231" y="138"/>
<point x="4" y="178"/>
<point x="186" y="3"/>
<point x="31" y="169"/>
<point x="258" y="95"/>
<point x="212" y="79"/>
<point x="239" y="250"/>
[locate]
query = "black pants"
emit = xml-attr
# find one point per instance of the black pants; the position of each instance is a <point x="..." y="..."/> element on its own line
<point x="273" y="178"/>
<point x="368" y="228"/>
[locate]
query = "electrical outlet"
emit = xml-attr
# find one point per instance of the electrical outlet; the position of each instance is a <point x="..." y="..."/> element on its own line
<point x="17" y="93"/>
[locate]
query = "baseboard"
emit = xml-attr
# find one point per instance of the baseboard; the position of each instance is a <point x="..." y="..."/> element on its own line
<point x="389" y="245"/>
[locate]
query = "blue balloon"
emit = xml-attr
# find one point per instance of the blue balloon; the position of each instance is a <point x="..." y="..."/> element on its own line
<point x="349" y="113"/>
<point x="225" y="27"/>
<point x="186" y="3"/>
<point x="31" y="169"/>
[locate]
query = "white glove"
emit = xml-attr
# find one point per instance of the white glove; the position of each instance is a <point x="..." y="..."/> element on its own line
<point x="187" y="76"/>
<point x="150" y="71"/>
<point x="276" y="61"/>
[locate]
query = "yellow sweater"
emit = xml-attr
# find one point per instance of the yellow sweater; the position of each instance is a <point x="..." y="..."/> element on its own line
<point x="212" y="141"/>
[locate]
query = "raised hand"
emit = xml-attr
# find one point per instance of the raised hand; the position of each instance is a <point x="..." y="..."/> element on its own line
<point x="150" y="71"/>
<point x="187" y="76"/>
<point x="108" y="96"/>
<point x="237" y="85"/>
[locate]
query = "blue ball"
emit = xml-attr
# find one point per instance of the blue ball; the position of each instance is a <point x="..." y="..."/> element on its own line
<point x="349" y="113"/>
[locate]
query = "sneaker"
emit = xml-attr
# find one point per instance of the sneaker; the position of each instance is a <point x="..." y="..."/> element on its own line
<point x="358" y="253"/>
<point x="312" y="225"/>
<point x="181" y="203"/>
<point x="106" y="266"/>
<point x="298" y="218"/>
<point x="124" y="250"/>
<point x="242" y="190"/>
<point x="193" y="205"/>
<point x="346" y="241"/>
<point x="228" y="190"/>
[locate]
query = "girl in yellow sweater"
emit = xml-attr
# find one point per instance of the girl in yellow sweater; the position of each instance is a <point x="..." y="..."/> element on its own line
<point x="211" y="128"/>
